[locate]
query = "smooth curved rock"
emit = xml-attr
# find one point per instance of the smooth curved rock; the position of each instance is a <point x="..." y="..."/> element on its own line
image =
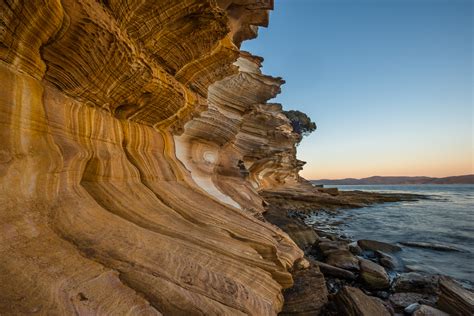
<point x="123" y="126"/>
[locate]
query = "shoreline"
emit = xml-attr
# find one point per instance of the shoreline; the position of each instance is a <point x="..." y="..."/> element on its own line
<point x="365" y="276"/>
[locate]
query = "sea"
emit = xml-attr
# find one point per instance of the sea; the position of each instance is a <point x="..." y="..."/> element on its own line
<point x="446" y="218"/>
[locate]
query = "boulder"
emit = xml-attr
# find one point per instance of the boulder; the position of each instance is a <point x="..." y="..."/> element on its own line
<point x="373" y="275"/>
<point x="416" y="282"/>
<point x="385" y="303"/>
<point x="301" y="234"/>
<point x="342" y="259"/>
<point x="401" y="301"/>
<point x="454" y="299"/>
<point x="353" y="302"/>
<point x="325" y="246"/>
<point x="329" y="270"/>
<point x="373" y="245"/>
<point x="302" y="264"/>
<point x="355" y="249"/>
<point x="426" y="310"/>
<point x="308" y="294"/>
<point x="410" y="309"/>
<point x="321" y="237"/>
<point x="388" y="261"/>
<point x="291" y="223"/>
<point x="327" y="235"/>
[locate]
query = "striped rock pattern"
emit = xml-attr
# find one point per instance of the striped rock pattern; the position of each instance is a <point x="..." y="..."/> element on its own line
<point x="135" y="136"/>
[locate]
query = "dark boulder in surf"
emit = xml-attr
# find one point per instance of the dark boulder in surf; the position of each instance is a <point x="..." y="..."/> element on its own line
<point x="388" y="261"/>
<point x="429" y="245"/>
<point x="374" y="245"/>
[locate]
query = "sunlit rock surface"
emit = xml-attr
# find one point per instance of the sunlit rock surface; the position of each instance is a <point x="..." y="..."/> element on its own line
<point x="135" y="136"/>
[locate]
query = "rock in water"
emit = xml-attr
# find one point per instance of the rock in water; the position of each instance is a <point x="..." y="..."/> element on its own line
<point x="373" y="275"/>
<point x="388" y="261"/>
<point x="374" y="245"/>
<point x="428" y="245"/>
<point x="353" y="302"/>
<point x="454" y="299"/>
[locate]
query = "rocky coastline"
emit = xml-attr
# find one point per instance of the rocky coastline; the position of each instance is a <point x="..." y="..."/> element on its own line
<point x="142" y="167"/>
<point x="363" y="277"/>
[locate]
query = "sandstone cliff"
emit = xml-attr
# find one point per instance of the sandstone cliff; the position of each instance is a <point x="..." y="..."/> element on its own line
<point x="135" y="136"/>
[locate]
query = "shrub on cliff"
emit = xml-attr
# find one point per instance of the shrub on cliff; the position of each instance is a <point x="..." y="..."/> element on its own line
<point x="301" y="122"/>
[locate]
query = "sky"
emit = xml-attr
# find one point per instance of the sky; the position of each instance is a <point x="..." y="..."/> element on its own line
<point x="389" y="83"/>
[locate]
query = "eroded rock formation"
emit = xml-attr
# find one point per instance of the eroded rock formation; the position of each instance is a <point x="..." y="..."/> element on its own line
<point x="135" y="136"/>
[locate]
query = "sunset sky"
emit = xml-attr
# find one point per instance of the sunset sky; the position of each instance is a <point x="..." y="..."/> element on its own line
<point x="388" y="82"/>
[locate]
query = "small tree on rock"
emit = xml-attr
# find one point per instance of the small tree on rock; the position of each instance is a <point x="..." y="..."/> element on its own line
<point x="300" y="122"/>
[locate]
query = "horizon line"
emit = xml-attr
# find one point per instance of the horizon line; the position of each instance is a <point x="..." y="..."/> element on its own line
<point x="461" y="175"/>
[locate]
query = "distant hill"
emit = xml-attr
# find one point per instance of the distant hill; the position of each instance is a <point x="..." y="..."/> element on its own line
<point x="466" y="179"/>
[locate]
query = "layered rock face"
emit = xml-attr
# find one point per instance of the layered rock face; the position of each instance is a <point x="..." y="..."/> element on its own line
<point x="135" y="136"/>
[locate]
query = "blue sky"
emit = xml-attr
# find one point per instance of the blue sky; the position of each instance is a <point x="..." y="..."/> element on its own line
<point x="388" y="82"/>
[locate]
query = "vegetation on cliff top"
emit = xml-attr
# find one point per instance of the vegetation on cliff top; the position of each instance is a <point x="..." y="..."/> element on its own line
<point x="300" y="122"/>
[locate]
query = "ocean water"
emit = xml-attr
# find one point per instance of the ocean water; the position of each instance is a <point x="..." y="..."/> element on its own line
<point x="446" y="218"/>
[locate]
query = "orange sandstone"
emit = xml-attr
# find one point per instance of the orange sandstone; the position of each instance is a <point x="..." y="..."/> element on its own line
<point x="134" y="139"/>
